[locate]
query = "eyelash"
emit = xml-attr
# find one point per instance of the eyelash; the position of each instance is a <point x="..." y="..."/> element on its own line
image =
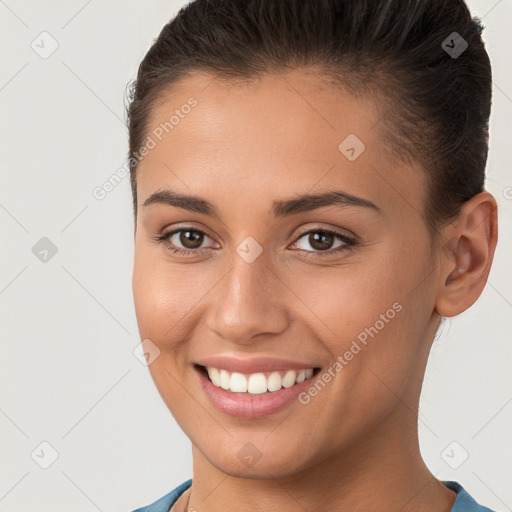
<point x="349" y="243"/>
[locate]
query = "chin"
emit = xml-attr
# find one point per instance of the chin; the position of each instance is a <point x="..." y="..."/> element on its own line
<point x="250" y="463"/>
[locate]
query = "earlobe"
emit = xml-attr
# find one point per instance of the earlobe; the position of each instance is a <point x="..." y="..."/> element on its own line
<point x="465" y="266"/>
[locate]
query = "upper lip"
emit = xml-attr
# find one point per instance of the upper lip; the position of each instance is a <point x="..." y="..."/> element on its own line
<point x="253" y="365"/>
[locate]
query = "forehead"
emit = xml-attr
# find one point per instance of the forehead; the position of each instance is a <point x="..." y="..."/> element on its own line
<point x="274" y="136"/>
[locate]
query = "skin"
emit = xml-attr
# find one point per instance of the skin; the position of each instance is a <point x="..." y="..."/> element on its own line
<point x="245" y="145"/>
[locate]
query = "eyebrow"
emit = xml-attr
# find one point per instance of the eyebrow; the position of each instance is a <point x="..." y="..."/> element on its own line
<point x="280" y="208"/>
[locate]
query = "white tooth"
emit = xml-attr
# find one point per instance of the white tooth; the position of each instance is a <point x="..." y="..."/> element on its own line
<point x="309" y="372"/>
<point x="257" y="384"/>
<point x="214" y="375"/>
<point x="301" y="376"/>
<point x="289" y="379"/>
<point x="274" y="382"/>
<point x="238" y="383"/>
<point x="224" y="379"/>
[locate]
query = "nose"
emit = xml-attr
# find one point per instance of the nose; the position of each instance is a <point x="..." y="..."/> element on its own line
<point x="249" y="302"/>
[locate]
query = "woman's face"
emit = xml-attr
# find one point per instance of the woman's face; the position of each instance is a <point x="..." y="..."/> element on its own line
<point x="265" y="287"/>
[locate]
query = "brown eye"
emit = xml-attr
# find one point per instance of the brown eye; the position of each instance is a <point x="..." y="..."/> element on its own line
<point x="320" y="240"/>
<point x="191" y="239"/>
<point x="185" y="241"/>
<point x="324" y="242"/>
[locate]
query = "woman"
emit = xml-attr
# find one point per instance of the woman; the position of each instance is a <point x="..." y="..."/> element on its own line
<point x="308" y="185"/>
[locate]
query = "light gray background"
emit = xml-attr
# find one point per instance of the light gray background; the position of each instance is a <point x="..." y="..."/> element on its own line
<point x="68" y="375"/>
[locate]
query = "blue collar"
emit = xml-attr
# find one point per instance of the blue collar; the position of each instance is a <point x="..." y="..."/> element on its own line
<point x="463" y="503"/>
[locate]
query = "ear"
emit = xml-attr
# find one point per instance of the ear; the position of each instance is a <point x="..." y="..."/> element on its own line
<point x="470" y="242"/>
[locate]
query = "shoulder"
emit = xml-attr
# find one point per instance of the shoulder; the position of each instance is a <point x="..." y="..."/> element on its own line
<point x="167" y="501"/>
<point x="464" y="501"/>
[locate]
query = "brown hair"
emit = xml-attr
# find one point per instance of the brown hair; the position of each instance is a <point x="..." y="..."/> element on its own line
<point x="439" y="99"/>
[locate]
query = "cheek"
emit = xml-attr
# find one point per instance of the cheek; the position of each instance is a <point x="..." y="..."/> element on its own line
<point x="162" y="301"/>
<point x="373" y="313"/>
<point x="352" y="297"/>
<point x="374" y="330"/>
<point x="170" y="301"/>
<point x="161" y="294"/>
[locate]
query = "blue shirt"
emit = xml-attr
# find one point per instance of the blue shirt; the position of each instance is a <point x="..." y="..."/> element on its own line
<point x="463" y="503"/>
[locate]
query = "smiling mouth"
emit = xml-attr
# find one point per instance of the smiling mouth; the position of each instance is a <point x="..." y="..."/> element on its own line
<point x="256" y="383"/>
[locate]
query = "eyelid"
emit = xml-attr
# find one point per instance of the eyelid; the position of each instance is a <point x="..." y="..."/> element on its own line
<point x="338" y="231"/>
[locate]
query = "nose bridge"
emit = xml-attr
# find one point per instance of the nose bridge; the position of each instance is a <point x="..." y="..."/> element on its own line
<point x="246" y="304"/>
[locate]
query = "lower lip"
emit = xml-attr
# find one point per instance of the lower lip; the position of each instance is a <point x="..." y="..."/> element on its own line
<point x="244" y="405"/>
